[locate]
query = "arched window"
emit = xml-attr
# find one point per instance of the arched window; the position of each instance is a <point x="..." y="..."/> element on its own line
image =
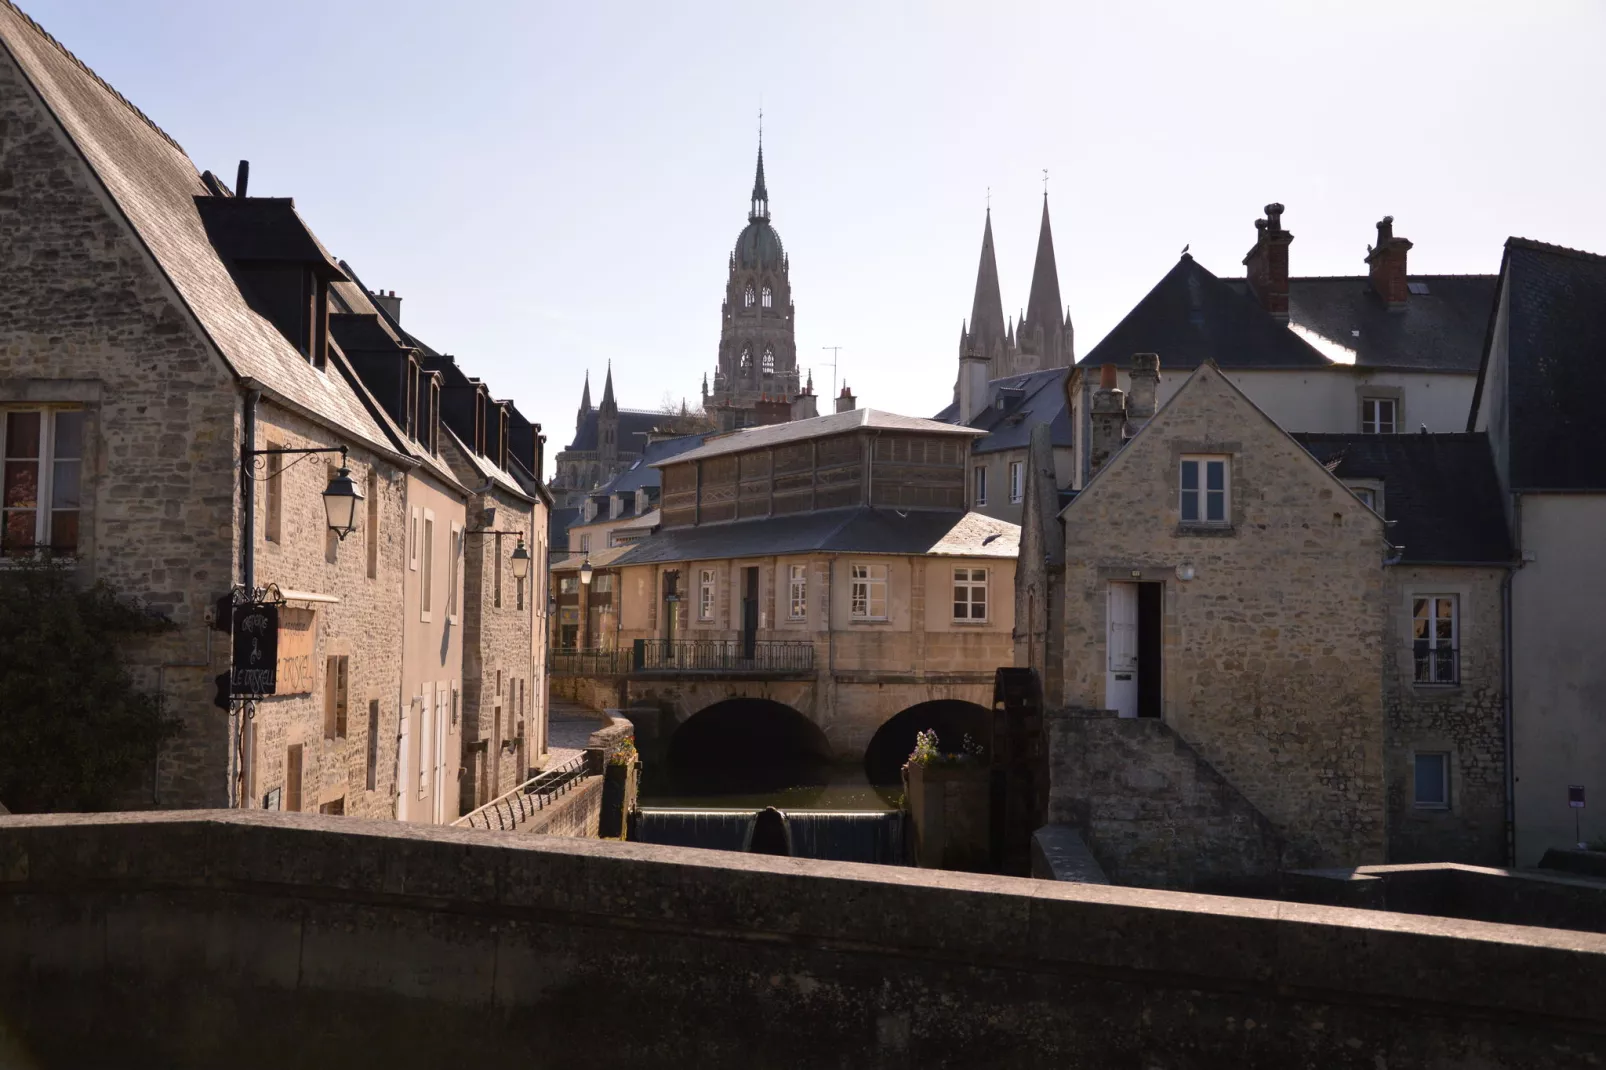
<point x="747" y="298"/>
<point x="769" y="297"/>
<point x="747" y="356"/>
<point x="769" y="358"/>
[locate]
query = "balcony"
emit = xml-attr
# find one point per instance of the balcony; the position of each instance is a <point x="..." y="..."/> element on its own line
<point x="1437" y="665"/>
<point x="690" y="657"/>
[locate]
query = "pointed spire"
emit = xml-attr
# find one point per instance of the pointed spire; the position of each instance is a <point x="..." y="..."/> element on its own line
<point x="608" y="404"/>
<point x="1043" y="306"/>
<point x="585" y="395"/>
<point x="987" y="310"/>
<point x="761" y="195"/>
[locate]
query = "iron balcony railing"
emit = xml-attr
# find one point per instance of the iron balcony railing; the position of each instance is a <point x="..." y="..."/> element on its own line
<point x="566" y="662"/>
<point x="1438" y="665"/>
<point x="508" y="812"/>
<point x="722" y="655"/>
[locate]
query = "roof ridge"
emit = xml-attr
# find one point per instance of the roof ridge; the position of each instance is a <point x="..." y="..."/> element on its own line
<point x="1548" y="247"/>
<point x="146" y="119"/>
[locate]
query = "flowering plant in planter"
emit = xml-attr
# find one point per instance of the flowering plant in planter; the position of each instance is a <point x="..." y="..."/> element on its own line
<point x="624" y="754"/>
<point x="929" y="752"/>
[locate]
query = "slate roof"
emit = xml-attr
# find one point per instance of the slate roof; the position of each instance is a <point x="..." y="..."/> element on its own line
<point x="1555" y="377"/>
<point x="1028" y="400"/>
<point x="1191" y="317"/>
<point x="154" y="184"/>
<point x="642" y="473"/>
<point x="1439" y="330"/>
<point x="858" y="529"/>
<point x="557" y="525"/>
<point x="1440" y="491"/>
<point x="633" y="428"/>
<point x="835" y="423"/>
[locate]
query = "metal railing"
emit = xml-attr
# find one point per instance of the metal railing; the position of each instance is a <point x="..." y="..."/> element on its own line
<point x="509" y="811"/>
<point x="722" y="655"/>
<point x="1438" y="665"/>
<point x="565" y="662"/>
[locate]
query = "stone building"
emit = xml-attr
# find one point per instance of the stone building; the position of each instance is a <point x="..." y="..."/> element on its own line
<point x="821" y="579"/>
<point x="990" y="348"/>
<point x="607" y="440"/>
<point x="177" y="394"/>
<point x="1381" y="353"/>
<point x="1538" y="399"/>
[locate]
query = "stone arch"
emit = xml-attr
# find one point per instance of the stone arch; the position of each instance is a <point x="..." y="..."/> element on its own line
<point x="952" y="719"/>
<point x="746" y="731"/>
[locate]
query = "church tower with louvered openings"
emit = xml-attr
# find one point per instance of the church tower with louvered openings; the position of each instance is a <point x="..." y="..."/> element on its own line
<point x="1042" y="338"/>
<point x="756" y="379"/>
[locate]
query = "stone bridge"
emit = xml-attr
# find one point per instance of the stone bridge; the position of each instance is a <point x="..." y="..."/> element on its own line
<point x="254" y="939"/>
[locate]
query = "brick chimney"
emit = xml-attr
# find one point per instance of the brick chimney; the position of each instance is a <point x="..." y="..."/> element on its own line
<point x="845" y="401"/>
<point x="1108" y="419"/>
<point x="1267" y="263"/>
<point x="1387" y="261"/>
<point x="1140" y="403"/>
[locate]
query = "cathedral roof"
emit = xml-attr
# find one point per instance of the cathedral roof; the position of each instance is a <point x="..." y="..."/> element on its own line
<point x="758" y="246"/>
<point x="633" y="428"/>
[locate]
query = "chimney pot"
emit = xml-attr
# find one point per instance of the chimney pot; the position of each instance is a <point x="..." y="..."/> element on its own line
<point x="242" y="178"/>
<point x="1387" y="260"/>
<point x="1267" y="263"/>
<point x="1107" y="379"/>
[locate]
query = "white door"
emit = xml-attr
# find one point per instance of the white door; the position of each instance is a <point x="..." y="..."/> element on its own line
<point x="404" y="762"/>
<point x="1121" y="641"/>
<point x="437" y="788"/>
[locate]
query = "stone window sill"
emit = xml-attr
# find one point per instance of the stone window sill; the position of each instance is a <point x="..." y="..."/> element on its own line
<point x="970" y="623"/>
<point x="868" y="620"/>
<point x="1435" y="688"/>
<point x="1209" y="531"/>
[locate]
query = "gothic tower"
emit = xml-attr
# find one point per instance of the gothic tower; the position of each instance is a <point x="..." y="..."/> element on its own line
<point x="756" y="379"/>
<point x="985" y="334"/>
<point x="1045" y="338"/>
<point x="607" y="425"/>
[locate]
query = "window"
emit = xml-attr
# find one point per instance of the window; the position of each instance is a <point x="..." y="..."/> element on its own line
<point x="798" y="592"/>
<point x="1434" y="639"/>
<point x="43" y="466"/>
<point x="412" y="542"/>
<point x="1204" y="490"/>
<point x="585" y="544"/>
<point x="705" y="594"/>
<point x="426" y="582"/>
<point x="1432" y="781"/>
<point x="336" y="688"/>
<point x="970" y="594"/>
<point x="981" y="485"/>
<point x="768" y="297"/>
<point x="371" y="536"/>
<point x="373" y="743"/>
<point x="868" y="592"/>
<point x="602" y="583"/>
<point x="1367" y="495"/>
<point x="1017" y="482"/>
<point x="747" y="358"/>
<point x="747" y="298"/>
<point x="769" y="361"/>
<point x="292" y="777"/>
<point x="1379" y="416"/>
<point x="272" y="495"/>
<point x="454" y="573"/>
<point x="568" y="585"/>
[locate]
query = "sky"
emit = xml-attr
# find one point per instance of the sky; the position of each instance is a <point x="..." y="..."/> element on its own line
<point x="553" y="187"/>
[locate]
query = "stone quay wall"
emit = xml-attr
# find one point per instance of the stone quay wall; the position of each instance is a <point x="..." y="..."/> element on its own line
<point x="253" y="939"/>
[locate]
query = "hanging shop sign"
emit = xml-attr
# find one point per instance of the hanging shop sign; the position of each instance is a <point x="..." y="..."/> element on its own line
<point x="254" y="670"/>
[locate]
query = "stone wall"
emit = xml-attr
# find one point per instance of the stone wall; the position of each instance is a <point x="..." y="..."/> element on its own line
<point x="1465" y="720"/>
<point x="229" y="939"/>
<point x="576" y="813"/>
<point x="1273" y="651"/>
<point x="1152" y="811"/>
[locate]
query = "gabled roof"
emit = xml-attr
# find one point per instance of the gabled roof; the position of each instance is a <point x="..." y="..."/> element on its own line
<point x="1191" y="317"/>
<point x="1028" y="400"/>
<point x="858" y="529"/>
<point x="154" y="184"/>
<point x="1441" y="327"/>
<point x="836" y="423"/>
<point x="1440" y="492"/>
<point x="1555" y="377"/>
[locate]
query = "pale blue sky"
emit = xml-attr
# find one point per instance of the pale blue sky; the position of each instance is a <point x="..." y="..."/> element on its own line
<point x="553" y="186"/>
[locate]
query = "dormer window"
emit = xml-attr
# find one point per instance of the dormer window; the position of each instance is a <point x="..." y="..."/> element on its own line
<point x="432" y="427"/>
<point x="412" y="400"/>
<point x="747" y="298"/>
<point x="769" y="358"/>
<point x="769" y="297"/>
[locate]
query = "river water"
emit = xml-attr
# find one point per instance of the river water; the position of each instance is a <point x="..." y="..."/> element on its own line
<point x="795" y="786"/>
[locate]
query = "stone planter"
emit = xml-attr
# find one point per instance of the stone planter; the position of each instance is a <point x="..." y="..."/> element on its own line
<point x="618" y="798"/>
<point x="950" y="816"/>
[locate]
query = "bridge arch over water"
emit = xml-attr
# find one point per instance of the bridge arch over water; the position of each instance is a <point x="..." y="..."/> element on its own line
<point x="747" y="731"/>
<point x="952" y="719"/>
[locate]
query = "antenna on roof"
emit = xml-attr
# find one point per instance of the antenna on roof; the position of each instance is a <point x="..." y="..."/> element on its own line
<point x="1045" y="183"/>
<point x="835" y="350"/>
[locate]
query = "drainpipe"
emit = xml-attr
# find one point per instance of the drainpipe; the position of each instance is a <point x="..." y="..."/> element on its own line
<point x="1507" y="673"/>
<point x="248" y="575"/>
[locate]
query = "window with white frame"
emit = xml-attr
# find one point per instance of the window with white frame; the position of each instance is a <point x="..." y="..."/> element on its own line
<point x="705" y="594"/>
<point x="1367" y="495"/>
<point x="1435" y="638"/>
<point x="1205" y="493"/>
<point x="1017" y="482"/>
<point x="970" y="594"/>
<point x="454" y="571"/>
<point x="1431" y="780"/>
<point x="798" y="592"/>
<point x="42" y="473"/>
<point x="426" y="583"/>
<point x="1379" y="416"/>
<point x="868" y="592"/>
<point x="979" y="484"/>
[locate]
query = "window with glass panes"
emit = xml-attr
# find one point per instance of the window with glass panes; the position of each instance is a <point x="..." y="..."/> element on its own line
<point x="1379" y="416"/>
<point x="1431" y="781"/>
<point x="1204" y="490"/>
<point x="1434" y="628"/>
<point x="705" y="594"/>
<point x="798" y="592"/>
<point x="1017" y="484"/>
<point x="42" y="480"/>
<point x="868" y="592"/>
<point x="970" y="594"/>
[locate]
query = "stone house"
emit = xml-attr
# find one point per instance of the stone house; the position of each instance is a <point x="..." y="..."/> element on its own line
<point x="1227" y="594"/>
<point x="825" y="569"/>
<point x="1538" y="399"/>
<point x="1385" y="352"/>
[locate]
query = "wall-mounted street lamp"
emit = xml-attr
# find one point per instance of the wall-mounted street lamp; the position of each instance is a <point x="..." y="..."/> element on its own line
<point x="520" y="557"/>
<point x="585" y="571"/>
<point x="340" y="497"/>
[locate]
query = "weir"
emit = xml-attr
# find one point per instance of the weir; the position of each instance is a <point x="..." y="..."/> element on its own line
<point x="830" y="835"/>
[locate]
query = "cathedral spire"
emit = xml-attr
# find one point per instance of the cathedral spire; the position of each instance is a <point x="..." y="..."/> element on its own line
<point x="1043" y="306"/>
<point x="585" y="395"/>
<point x="987" y="311"/>
<point x="761" y="195"/>
<point x="608" y="404"/>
